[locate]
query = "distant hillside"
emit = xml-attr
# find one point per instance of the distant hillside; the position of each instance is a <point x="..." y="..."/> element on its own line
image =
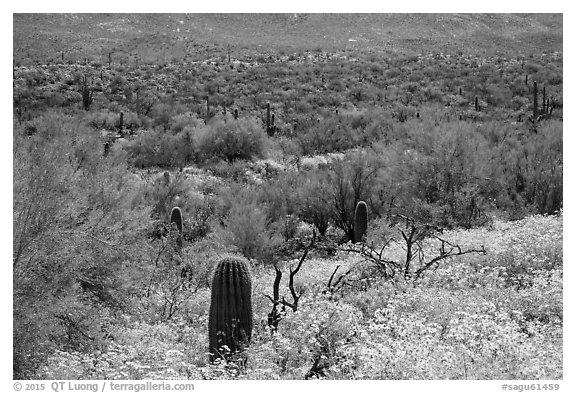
<point x="44" y="36"/>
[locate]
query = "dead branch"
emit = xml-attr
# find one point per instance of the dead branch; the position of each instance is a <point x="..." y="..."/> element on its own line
<point x="275" y="314"/>
<point x="413" y="235"/>
<point x="296" y="297"/>
<point x="369" y="253"/>
<point x="339" y="283"/>
<point x="453" y="251"/>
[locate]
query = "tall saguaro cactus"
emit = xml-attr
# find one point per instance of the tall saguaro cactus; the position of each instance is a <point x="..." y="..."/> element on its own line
<point x="87" y="94"/>
<point x="543" y="110"/>
<point x="534" y="119"/>
<point x="268" y="117"/>
<point x="270" y="127"/>
<point x="121" y="126"/>
<point x="230" y="322"/>
<point x="535" y="105"/>
<point x="360" y="221"/>
<point x="543" y="113"/>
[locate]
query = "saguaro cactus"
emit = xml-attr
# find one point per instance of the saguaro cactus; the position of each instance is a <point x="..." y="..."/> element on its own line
<point x="543" y="110"/>
<point x="360" y="221"/>
<point x="268" y="117"/>
<point x="19" y="111"/>
<point x="270" y="127"/>
<point x="535" y="105"/>
<point x="121" y="126"/>
<point x="543" y="113"/>
<point x="230" y="322"/>
<point x="87" y="94"/>
<point x="176" y="217"/>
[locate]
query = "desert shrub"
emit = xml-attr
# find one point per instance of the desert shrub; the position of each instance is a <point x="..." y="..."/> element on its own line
<point x="117" y="84"/>
<point x="162" y="149"/>
<point x="55" y="99"/>
<point x="231" y="140"/>
<point x="162" y="196"/>
<point x="289" y="147"/>
<point x="199" y="213"/>
<point x="328" y="135"/>
<point x="314" y="204"/>
<point x="103" y="120"/>
<point x="534" y="167"/>
<point x="280" y="201"/>
<point x="351" y="180"/>
<point x="76" y="218"/>
<point x="247" y="227"/>
<point x="246" y="224"/>
<point x="162" y="114"/>
<point x="286" y="227"/>
<point x="202" y="256"/>
<point x="278" y="195"/>
<point x="131" y="120"/>
<point x="150" y="148"/>
<point x="442" y="172"/>
<point x="167" y="281"/>
<point x="236" y="170"/>
<point x="186" y="120"/>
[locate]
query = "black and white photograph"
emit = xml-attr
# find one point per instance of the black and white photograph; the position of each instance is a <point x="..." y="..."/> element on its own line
<point x="271" y="196"/>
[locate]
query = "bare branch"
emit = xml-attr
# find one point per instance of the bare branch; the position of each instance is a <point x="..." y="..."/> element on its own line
<point x="269" y="297"/>
<point x="276" y="288"/>
<point x="443" y="255"/>
<point x="339" y="283"/>
<point x="293" y="273"/>
<point x="413" y="237"/>
<point x="332" y="276"/>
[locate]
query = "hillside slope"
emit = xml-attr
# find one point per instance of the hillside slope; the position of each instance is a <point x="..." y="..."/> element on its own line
<point x="45" y="36"/>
